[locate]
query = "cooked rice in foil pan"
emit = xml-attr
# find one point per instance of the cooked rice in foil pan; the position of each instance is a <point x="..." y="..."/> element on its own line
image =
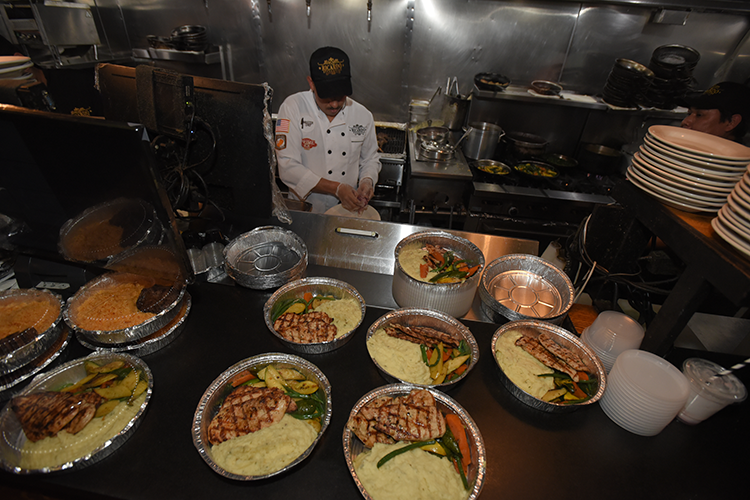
<point x="212" y="399"/>
<point x="18" y="349"/>
<point x="432" y="319"/>
<point x="11" y="383"/>
<point x="478" y="467"/>
<point x="13" y="438"/>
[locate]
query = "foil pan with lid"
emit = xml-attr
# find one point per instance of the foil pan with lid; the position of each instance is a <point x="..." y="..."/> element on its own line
<point x="454" y="299"/>
<point x="533" y="328"/>
<point x="415" y="317"/>
<point x="151" y="343"/>
<point x="353" y="447"/>
<point x="521" y="286"/>
<point x="11" y="383"/>
<point x="12" y="438"/>
<point x="163" y="310"/>
<point x="266" y="257"/>
<point x="21" y="347"/>
<point x="315" y="286"/>
<point x="211" y="400"/>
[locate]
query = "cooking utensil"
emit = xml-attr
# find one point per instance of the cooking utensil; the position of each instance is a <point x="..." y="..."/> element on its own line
<point x="455" y="109"/>
<point x="546" y="88"/>
<point x="491" y="81"/>
<point x="536" y="170"/>
<point x="599" y="159"/>
<point x="525" y="145"/>
<point x="560" y="161"/>
<point x="482" y="139"/>
<point x="433" y="136"/>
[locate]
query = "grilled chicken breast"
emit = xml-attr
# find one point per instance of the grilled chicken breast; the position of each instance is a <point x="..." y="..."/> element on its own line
<point x="306" y="328"/>
<point x="536" y="349"/>
<point x="248" y="409"/>
<point x="44" y="414"/>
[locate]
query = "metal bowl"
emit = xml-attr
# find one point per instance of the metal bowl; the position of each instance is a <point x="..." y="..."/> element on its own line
<point x="565" y="339"/>
<point x="316" y="286"/>
<point x="168" y="310"/>
<point x="521" y="286"/>
<point x="454" y="299"/>
<point x="433" y="136"/>
<point x="211" y="400"/>
<point x="266" y="257"/>
<point x="546" y="88"/>
<point x="432" y="319"/>
<point x="20" y="348"/>
<point x="478" y="469"/>
<point x="492" y="167"/>
<point x="70" y="372"/>
<point x="152" y="343"/>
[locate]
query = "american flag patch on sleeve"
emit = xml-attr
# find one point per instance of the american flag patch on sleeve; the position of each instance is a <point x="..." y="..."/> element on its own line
<point x="282" y="126"/>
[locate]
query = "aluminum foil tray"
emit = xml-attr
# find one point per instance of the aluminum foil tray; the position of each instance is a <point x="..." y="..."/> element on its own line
<point x="454" y="299"/>
<point x="316" y="286"/>
<point x="266" y="257"/>
<point x="148" y="345"/>
<point x="478" y="469"/>
<point x="432" y="319"/>
<point x="21" y="348"/>
<point x="564" y="338"/>
<point x="521" y="286"/>
<point x="168" y="311"/>
<point x="211" y="401"/>
<point x="103" y="231"/>
<point x="12" y="437"/>
<point x="11" y="383"/>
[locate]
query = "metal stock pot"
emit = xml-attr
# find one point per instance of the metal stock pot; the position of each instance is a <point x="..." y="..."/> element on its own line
<point x="481" y="140"/>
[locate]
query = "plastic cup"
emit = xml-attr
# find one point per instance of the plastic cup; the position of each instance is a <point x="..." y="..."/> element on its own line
<point x="197" y="260"/>
<point x="708" y="393"/>
<point x="612" y="333"/>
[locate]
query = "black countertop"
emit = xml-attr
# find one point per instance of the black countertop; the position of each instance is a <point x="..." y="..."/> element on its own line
<point x="530" y="454"/>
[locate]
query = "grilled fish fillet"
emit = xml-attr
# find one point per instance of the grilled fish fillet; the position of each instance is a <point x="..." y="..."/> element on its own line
<point x="536" y="349"/>
<point x="421" y="335"/>
<point x="408" y="418"/>
<point x="248" y="409"/>
<point x="306" y="328"/>
<point x="44" y="414"/>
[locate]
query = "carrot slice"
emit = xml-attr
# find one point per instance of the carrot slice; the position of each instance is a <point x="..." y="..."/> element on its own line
<point x="583" y="376"/>
<point x="459" y="434"/>
<point x="461" y="369"/>
<point x="307" y="297"/>
<point x="472" y="270"/>
<point x="241" y="378"/>
<point x="578" y="392"/>
<point x="423" y="270"/>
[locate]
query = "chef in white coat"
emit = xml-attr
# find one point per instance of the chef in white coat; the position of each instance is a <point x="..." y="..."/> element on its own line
<point x="326" y="147"/>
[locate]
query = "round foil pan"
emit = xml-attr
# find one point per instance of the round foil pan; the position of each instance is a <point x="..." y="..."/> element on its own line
<point x="478" y="468"/>
<point x="210" y="403"/>
<point x="83" y="239"/>
<point x="12" y="437"/>
<point x="11" y="383"/>
<point x="125" y="335"/>
<point x="152" y="343"/>
<point x="316" y="286"/>
<point x="521" y="286"/>
<point x="21" y="348"/>
<point x="157" y="262"/>
<point x="433" y="319"/>
<point x="451" y="298"/>
<point x="266" y="257"/>
<point x="564" y="338"/>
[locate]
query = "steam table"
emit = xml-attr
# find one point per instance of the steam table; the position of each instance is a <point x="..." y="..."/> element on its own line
<point x="710" y="263"/>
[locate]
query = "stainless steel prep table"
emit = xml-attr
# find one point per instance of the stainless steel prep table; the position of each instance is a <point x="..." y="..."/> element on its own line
<point x="531" y="455"/>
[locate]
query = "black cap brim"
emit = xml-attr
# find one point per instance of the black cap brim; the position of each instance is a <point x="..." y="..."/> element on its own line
<point x="334" y="88"/>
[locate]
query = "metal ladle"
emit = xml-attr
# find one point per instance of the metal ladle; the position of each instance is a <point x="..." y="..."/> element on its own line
<point x="429" y="103"/>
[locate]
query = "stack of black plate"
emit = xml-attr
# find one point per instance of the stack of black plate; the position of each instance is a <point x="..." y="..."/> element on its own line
<point x="190" y="38"/>
<point x="627" y="84"/>
<point x="673" y="67"/>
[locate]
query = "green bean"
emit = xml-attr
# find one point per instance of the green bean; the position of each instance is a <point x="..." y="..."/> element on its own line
<point x="409" y="447"/>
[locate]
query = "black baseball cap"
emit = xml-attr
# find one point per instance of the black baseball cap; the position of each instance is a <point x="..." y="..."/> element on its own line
<point x="730" y="97"/>
<point x="330" y="72"/>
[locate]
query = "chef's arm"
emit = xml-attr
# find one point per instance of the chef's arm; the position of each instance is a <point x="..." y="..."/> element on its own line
<point x="344" y="192"/>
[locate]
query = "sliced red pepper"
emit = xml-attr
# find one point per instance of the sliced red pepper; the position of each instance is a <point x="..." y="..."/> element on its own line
<point x="423" y="270"/>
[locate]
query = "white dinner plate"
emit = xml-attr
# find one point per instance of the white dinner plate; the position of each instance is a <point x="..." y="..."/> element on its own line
<point x="703" y="161"/>
<point x="738" y="229"/>
<point x="668" y="201"/>
<point x="686" y="182"/>
<point x="742" y="194"/>
<point x="730" y="237"/>
<point x="676" y="194"/>
<point x="368" y="213"/>
<point x="739" y="205"/>
<point x="704" y="171"/>
<point x="12" y="71"/>
<point x="740" y="223"/>
<point x="7" y="61"/>
<point x="700" y="143"/>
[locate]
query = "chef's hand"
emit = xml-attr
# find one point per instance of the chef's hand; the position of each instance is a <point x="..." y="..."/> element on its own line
<point x="348" y="197"/>
<point x="364" y="193"/>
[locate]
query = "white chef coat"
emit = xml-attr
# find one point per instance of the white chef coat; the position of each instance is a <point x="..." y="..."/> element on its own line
<point x="309" y="147"/>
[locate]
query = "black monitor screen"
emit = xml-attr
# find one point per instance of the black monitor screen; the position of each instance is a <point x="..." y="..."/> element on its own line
<point x="212" y="153"/>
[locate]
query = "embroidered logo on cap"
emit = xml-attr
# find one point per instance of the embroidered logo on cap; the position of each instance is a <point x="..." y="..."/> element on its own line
<point x="713" y="90"/>
<point x="331" y="66"/>
<point x="308" y="144"/>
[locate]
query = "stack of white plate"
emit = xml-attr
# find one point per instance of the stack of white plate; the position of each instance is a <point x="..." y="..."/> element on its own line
<point x="15" y="68"/>
<point x="732" y="223"/>
<point x="644" y="392"/>
<point x="689" y="170"/>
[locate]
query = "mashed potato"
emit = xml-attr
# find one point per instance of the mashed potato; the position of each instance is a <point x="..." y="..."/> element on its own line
<point x="521" y="367"/>
<point x="267" y="450"/>
<point x="400" y="358"/>
<point x="65" y="447"/>
<point x="414" y="475"/>
<point x="346" y="314"/>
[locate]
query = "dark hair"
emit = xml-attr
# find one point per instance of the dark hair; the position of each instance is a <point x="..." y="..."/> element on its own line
<point x="741" y="129"/>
